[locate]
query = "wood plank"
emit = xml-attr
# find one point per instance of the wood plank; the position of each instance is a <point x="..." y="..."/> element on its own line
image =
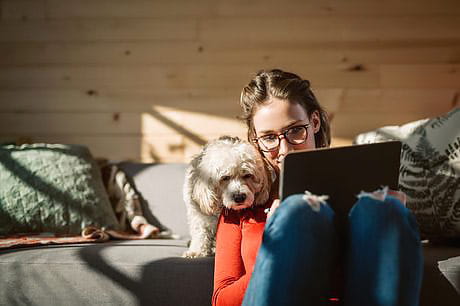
<point x="350" y="124"/>
<point x="431" y="102"/>
<point x="99" y="53"/>
<point x="220" y="104"/>
<point x="89" y="30"/>
<point x="217" y="103"/>
<point x="163" y="148"/>
<point x="161" y="78"/>
<point x="154" y="147"/>
<point x="187" y="52"/>
<point x="167" y="148"/>
<point x="159" y="121"/>
<point x="22" y="9"/>
<point x="190" y="124"/>
<point x="274" y="8"/>
<point x="420" y="76"/>
<point x="111" y="147"/>
<point x="320" y="29"/>
<point x="58" y="9"/>
<point x="170" y="77"/>
<point x="70" y="124"/>
<point x="192" y="127"/>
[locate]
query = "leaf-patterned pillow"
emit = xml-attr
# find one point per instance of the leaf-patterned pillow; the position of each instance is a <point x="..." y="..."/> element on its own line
<point x="430" y="170"/>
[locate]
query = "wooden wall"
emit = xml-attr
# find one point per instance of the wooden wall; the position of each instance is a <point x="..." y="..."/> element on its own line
<point x="153" y="80"/>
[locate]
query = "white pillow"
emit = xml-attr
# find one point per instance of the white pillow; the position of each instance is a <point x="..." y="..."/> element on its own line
<point x="430" y="170"/>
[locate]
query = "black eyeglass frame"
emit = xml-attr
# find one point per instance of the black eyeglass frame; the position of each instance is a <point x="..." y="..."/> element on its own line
<point x="262" y="147"/>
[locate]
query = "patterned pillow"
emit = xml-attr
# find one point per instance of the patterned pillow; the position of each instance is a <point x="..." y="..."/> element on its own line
<point x="430" y="170"/>
<point x="51" y="188"/>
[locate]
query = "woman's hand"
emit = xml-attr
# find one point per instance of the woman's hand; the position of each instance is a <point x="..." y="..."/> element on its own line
<point x="272" y="209"/>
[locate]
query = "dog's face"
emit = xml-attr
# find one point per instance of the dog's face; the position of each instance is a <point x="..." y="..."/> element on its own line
<point x="236" y="176"/>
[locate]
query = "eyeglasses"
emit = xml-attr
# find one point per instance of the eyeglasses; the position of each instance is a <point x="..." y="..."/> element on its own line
<point x="295" y="135"/>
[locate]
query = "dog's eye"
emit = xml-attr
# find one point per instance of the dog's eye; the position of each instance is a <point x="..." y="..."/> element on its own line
<point x="248" y="176"/>
<point x="225" y="178"/>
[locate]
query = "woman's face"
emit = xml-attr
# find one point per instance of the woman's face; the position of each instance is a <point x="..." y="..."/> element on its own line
<point x="275" y="118"/>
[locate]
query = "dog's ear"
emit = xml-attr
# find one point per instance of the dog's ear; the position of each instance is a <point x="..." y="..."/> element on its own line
<point x="205" y="194"/>
<point x="265" y="176"/>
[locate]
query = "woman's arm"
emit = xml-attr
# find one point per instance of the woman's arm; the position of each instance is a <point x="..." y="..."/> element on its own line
<point x="230" y="277"/>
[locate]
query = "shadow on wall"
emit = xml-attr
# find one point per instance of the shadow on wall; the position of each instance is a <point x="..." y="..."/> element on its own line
<point x="195" y="138"/>
<point x="153" y="152"/>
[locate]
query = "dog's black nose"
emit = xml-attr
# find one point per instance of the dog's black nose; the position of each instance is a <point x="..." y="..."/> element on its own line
<point x="239" y="197"/>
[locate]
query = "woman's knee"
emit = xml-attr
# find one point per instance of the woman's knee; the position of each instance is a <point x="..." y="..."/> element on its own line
<point x="303" y="212"/>
<point x="306" y="205"/>
<point x="296" y="221"/>
<point x="388" y="209"/>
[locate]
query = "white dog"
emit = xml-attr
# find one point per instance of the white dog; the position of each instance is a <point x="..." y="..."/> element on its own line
<point x="228" y="172"/>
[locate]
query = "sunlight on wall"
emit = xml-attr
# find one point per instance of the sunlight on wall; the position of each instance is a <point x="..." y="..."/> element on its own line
<point x="173" y="135"/>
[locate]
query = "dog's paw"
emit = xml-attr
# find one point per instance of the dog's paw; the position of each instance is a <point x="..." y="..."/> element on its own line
<point x="196" y="254"/>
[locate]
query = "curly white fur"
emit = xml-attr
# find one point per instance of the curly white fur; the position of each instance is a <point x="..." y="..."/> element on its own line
<point x="228" y="172"/>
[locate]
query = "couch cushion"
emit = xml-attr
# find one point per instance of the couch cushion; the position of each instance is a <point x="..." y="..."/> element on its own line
<point x="441" y="275"/>
<point x="161" y="186"/>
<point x="150" y="272"/>
<point x="430" y="170"/>
<point x="143" y="272"/>
<point x="51" y="188"/>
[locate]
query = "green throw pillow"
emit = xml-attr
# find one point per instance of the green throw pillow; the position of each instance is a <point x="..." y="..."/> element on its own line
<point x="430" y="170"/>
<point x="51" y="188"/>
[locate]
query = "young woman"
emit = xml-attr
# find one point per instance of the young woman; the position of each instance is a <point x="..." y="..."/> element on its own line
<point x="290" y="255"/>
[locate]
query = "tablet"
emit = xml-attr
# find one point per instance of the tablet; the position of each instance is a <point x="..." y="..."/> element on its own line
<point x="341" y="172"/>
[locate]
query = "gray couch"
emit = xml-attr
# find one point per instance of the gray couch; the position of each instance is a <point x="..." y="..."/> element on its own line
<point x="151" y="271"/>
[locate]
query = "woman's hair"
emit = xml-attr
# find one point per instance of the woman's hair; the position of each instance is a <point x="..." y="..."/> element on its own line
<point x="284" y="86"/>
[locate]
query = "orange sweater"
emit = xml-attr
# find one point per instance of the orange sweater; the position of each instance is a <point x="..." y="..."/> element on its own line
<point x="239" y="235"/>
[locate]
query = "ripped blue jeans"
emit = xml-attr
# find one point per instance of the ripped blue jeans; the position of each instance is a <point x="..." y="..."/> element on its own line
<point x="381" y="258"/>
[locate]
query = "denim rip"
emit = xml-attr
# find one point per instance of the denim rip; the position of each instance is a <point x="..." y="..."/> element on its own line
<point x="314" y="200"/>
<point x="381" y="195"/>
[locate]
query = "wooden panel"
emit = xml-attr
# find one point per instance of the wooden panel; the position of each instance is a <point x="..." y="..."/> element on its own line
<point x="163" y="148"/>
<point x="147" y="53"/>
<point x="161" y="78"/>
<point x="217" y="102"/>
<point x="363" y="110"/>
<point x="420" y="76"/>
<point x="268" y="8"/>
<point x="161" y="121"/>
<point x="70" y="123"/>
<point x="100" y="53"/>
<point x="167" y="78"/>
<point x="350" y="124"/>
<point x="128" y="9"/>
<point x="18" y="9"/>
<point x="317" y="29"/>
<point x="387" y="101"/>
<point x="98" y="30"/>
<point x="22" y="9"/>
<point x="190" y="124"/>
<point x="155" y="80"/>
<point x="111" y="147"/>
